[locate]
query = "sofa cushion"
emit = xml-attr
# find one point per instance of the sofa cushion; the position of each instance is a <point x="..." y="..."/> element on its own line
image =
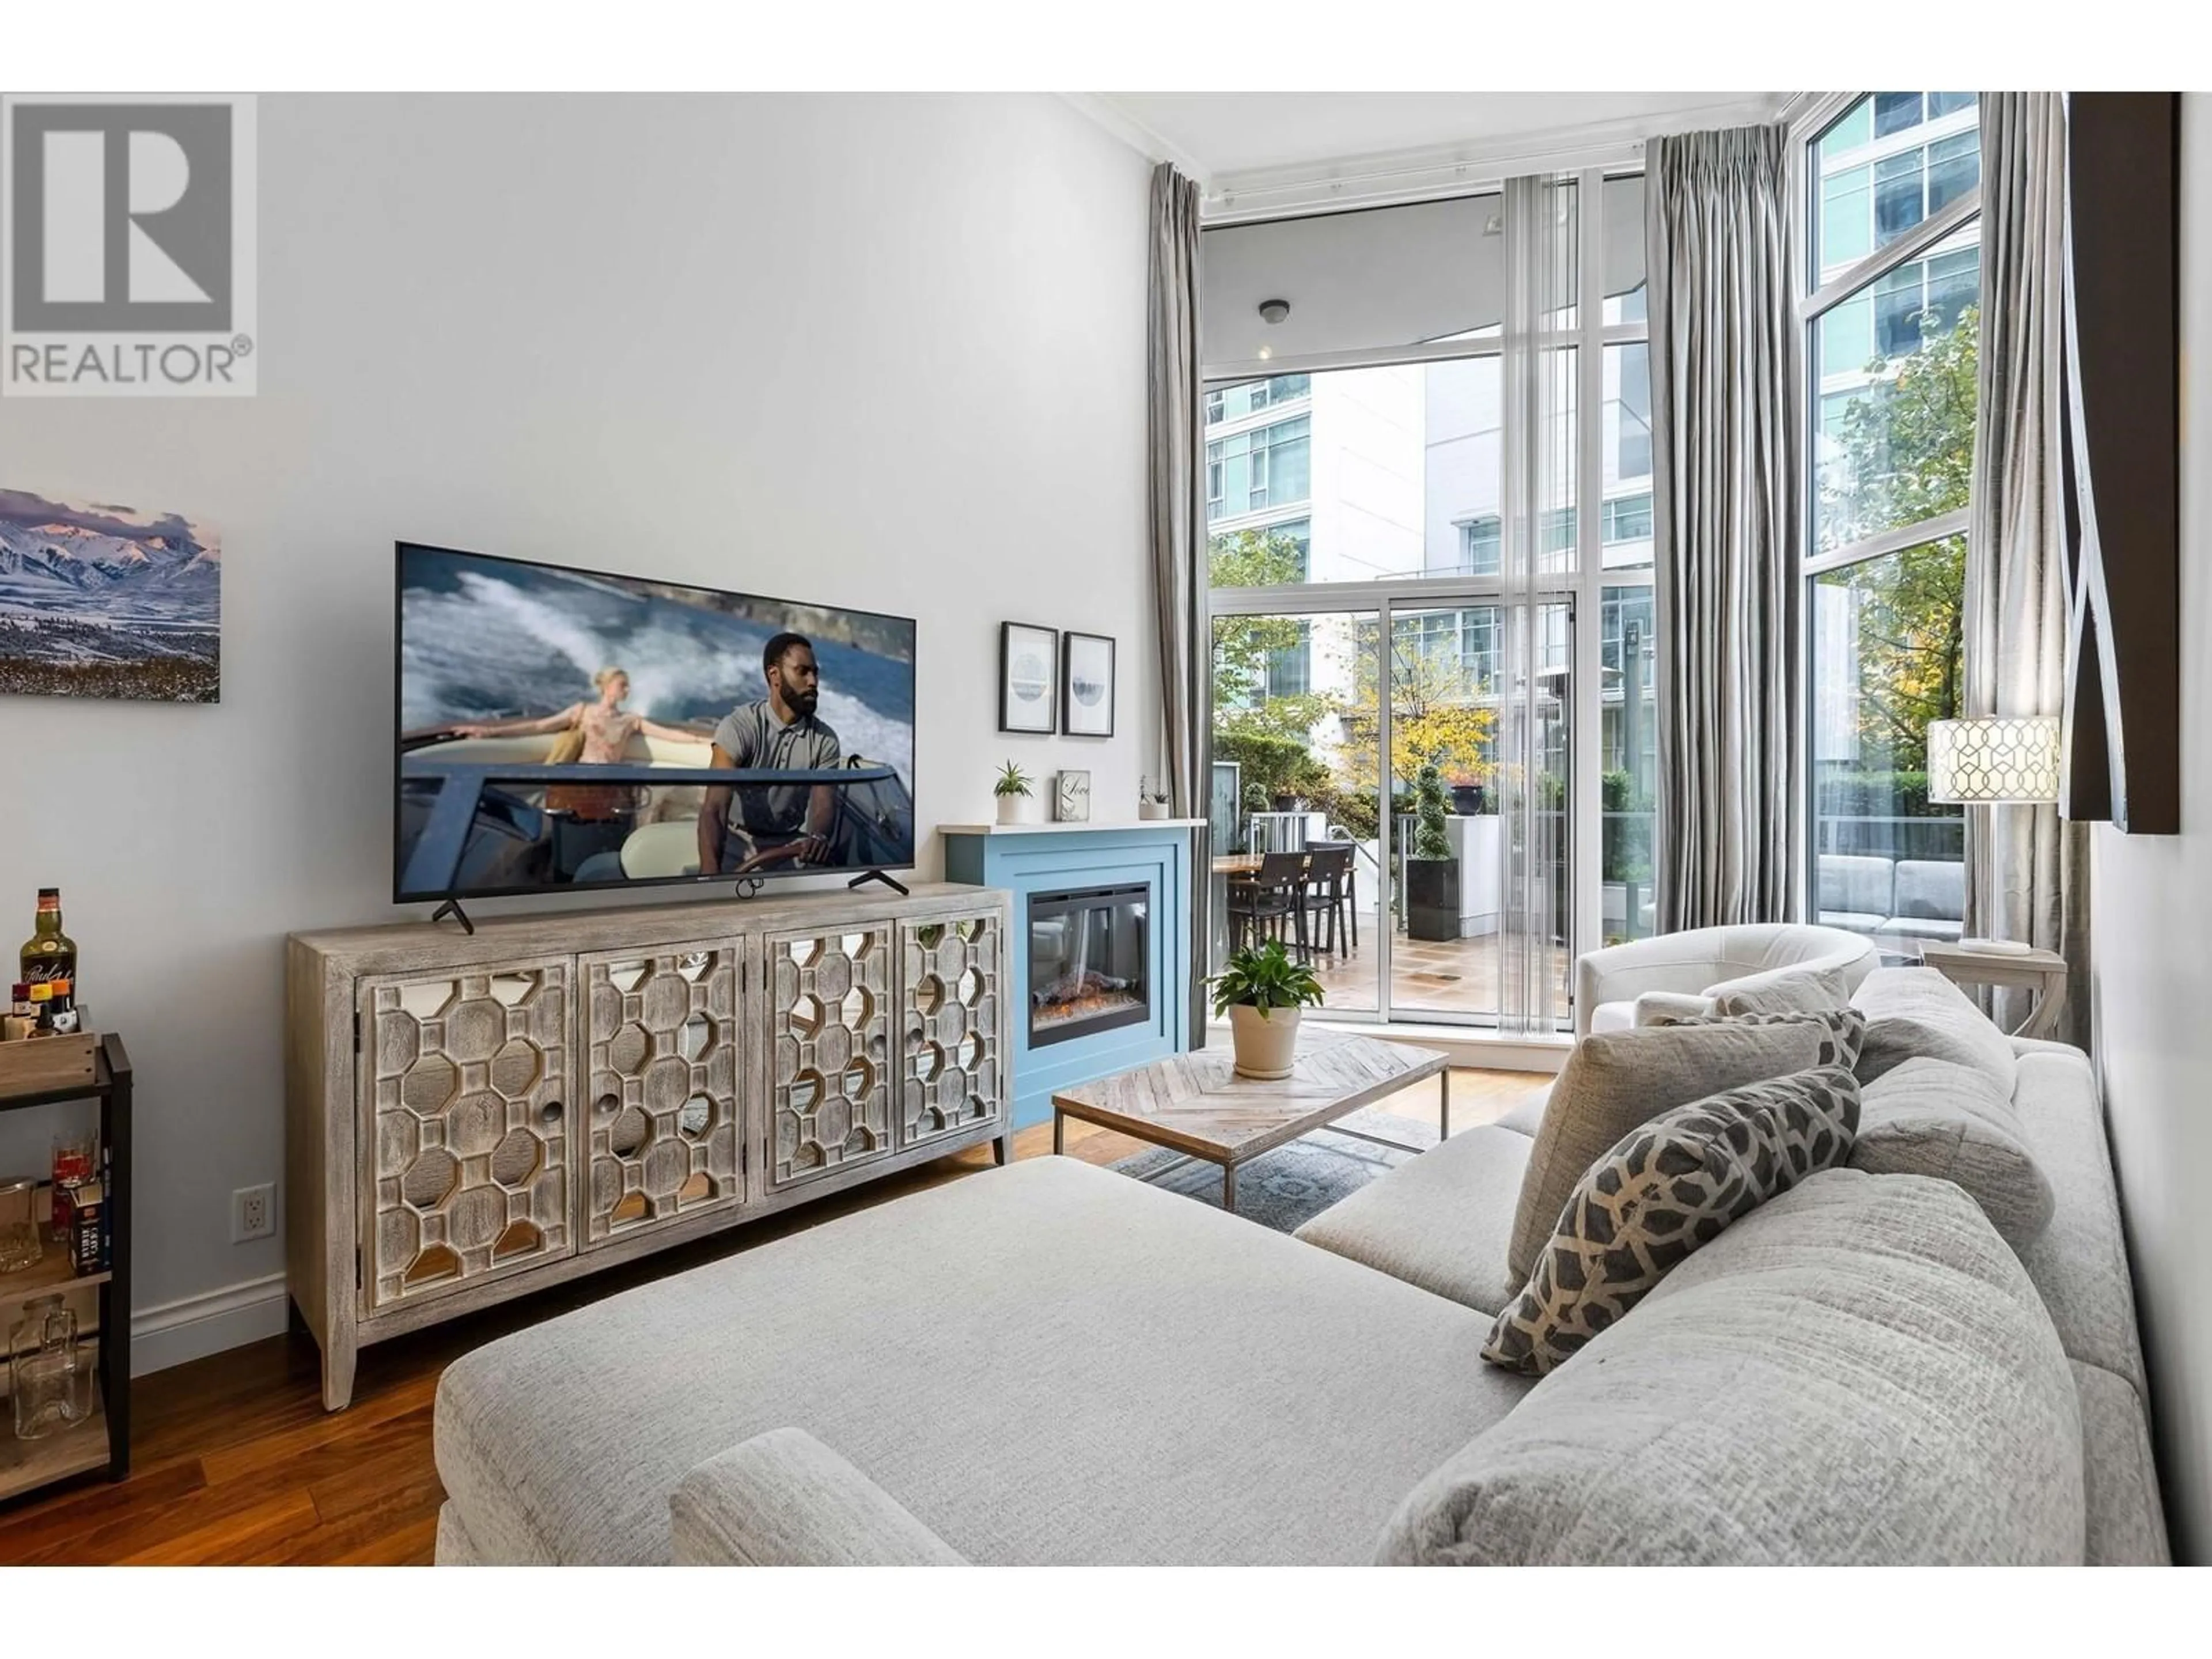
<point x="1916" y="1013"/>
<point x="2126" y="1524"/>
<point x="1615" y="1081"/>
<point x="1934" y="927"/>
<point x="1930" y="890"/>
<point x="1529" y="1117"/>
<point x="2080" y="1261"/>
<point x="1857" y="1372"/>
<point x="1933" y="1117"/>
<point x="1440" y="1221"/>
<point x="945" y="1344"/>
<point x="1670" y="1007"/>
<point x="1857" y="921"/>
<point x="1857" y="883"/>
<point x="1612" y="1016"/>
<point x="1807" y="990"/>
<point x="1669" y="1189"/>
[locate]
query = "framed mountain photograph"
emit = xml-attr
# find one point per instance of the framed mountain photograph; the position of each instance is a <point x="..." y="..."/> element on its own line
<point x="1087" y="685"/>
<point x="103" y="601"/>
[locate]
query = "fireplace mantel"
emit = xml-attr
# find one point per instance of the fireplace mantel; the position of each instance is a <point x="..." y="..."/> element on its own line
<point x="1046" y="859"/>
<point x="1146" y="824"/>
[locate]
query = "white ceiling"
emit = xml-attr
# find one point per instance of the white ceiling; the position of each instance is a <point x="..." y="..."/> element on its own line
<point x="1223" y="133"/>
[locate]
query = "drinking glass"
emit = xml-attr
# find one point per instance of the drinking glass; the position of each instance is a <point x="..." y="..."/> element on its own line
<point x="18" y="1226"/>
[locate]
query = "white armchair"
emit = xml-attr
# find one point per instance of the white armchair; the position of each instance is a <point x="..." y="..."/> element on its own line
<point x="1609" y="982"/>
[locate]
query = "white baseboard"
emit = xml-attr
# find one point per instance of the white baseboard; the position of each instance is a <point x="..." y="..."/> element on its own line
<point x="193" y="1327"/>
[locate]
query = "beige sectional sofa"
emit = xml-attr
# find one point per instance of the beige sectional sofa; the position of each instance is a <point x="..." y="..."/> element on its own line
<point x="1442" y="1221"/>
<point x="1055" y="1364"/>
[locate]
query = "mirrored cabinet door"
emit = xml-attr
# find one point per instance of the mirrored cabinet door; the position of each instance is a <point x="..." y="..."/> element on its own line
<point x="829" y="1021"/>
<point x="465" y="1112"/>
<point x="661" y="1063"/>
<point x="952" y="1069"/>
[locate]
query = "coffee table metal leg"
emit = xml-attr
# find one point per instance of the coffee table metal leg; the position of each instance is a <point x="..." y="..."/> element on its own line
<point x="1228" y="1186"/>
<point x="1443" y="1098"/>
<point x="1059" y="1131"/>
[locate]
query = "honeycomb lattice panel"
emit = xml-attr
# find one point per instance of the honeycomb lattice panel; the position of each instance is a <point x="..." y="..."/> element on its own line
<point x="828" y="1010"/>
<point x="466" y="1078"/>
<point x="661" y="1054"/>
<point x="949" y="1027"/>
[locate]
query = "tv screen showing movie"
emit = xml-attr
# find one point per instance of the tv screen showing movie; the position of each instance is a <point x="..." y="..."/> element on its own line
<point x="565" y="729"/>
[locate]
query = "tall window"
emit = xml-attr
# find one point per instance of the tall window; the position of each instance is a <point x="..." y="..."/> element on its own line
<point x="1893" y="317"/>
<point x="1355" y="516"/>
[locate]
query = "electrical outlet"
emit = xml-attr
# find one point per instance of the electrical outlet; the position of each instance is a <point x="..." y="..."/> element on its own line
<point x="252" y="1213"/>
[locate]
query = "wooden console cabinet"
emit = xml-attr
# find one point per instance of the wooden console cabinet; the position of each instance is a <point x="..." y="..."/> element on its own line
<point x="470" y="1118"/>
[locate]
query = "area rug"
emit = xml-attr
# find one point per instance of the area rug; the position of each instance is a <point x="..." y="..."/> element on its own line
<point x="1288" y="1187"/>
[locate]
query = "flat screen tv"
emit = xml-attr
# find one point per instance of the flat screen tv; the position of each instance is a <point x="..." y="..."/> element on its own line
<point x="564" y="730"/>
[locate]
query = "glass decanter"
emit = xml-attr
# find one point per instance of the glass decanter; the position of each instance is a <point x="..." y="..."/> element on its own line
<point x="47" y="1377"/>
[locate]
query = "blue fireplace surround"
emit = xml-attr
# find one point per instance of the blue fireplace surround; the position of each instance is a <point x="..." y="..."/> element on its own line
<point x="1051" y="859"/>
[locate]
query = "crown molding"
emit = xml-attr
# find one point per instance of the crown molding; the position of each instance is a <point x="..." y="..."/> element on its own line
<point x="1153" y="146"/>
<point x="1439" y="171"/>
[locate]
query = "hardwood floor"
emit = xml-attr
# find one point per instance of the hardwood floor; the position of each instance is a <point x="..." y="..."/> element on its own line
<point x="234" y="1461"/>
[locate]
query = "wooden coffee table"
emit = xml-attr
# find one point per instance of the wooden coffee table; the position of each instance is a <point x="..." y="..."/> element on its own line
<point x="1198" y="1105"/>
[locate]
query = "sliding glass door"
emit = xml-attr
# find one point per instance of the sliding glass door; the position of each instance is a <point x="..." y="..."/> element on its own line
<point x="1454" y="679"/>
<point x="1297" y="735"/>
<point x="1454" y="944"/>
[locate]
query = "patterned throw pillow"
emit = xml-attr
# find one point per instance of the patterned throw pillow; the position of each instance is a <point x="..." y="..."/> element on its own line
<point x="1847" y="1027"/>
<point x="1670" y="1187"/>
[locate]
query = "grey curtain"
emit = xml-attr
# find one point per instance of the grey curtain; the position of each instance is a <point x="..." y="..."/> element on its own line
<point x="2027" y="873"/>
<point x="1718" y="219"/>
<point x="1177" y="528"/>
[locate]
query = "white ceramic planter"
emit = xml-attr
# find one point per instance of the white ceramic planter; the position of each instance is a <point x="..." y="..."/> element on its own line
<point x="1152" y="808"/>
<point x="1020" y="809"/>
<point x="1265" y="1047"/>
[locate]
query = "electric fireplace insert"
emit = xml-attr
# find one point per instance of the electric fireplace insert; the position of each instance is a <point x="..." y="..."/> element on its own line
<point x="1088" y="961"/>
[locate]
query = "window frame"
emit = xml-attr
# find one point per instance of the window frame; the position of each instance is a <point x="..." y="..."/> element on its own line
<point x="1815" y="299"/>
<point x="1581" y="588"/>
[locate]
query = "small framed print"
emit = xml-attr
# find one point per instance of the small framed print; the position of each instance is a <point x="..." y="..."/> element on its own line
<point x="1029" y="676"/>
<point x="1071" y="797"/>
<point x="1086" y="696"/>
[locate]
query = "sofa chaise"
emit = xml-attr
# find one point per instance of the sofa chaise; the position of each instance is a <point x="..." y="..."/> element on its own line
<point x="1051" y="1363"/>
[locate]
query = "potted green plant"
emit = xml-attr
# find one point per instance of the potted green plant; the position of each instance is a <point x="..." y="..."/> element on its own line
<point x="1151" y="798"/>
<point x="1262" y="992"/>
<point x="1432" y="871"/>
<point x="1018" y="803"/>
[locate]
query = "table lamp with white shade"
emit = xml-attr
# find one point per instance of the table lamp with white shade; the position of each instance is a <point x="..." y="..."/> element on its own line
<point x="1992" y="760"/>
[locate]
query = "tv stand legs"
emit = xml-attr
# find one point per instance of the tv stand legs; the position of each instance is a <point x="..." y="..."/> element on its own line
<point x="867" y="876"/>
<point x="338" y="1355"/>
<point x="453" y="908"/>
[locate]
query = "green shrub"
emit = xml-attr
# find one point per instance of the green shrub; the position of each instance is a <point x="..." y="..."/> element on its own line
<point x="1430" y="840"/>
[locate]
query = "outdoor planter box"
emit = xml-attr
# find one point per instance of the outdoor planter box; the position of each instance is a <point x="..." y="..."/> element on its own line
<point x="1432" y="898"/>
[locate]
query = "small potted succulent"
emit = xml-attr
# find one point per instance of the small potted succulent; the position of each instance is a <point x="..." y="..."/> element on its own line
<point x="1017" y="802"/>
<point x="1263" y="993"/>
<point x="1151" y="798"/>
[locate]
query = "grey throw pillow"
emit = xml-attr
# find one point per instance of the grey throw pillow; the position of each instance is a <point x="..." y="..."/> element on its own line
<point x="1615" y="1081"/>
<point x="1915" y="1013"/>
<point x="1846" y="1025"/>
<point x="1671" y="1186"/>
<point x="1934" y="1117"/>
<point x="1782" y="991"/>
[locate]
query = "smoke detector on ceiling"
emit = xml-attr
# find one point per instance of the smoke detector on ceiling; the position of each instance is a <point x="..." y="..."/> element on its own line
<point x="1273" y="311"/>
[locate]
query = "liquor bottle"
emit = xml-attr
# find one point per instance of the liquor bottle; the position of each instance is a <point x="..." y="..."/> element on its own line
<point x="51" y="954"/>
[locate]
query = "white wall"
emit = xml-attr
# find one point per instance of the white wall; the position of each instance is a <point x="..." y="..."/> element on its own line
<point x="2151" y="929"/>
<point x="883" y="351"/>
